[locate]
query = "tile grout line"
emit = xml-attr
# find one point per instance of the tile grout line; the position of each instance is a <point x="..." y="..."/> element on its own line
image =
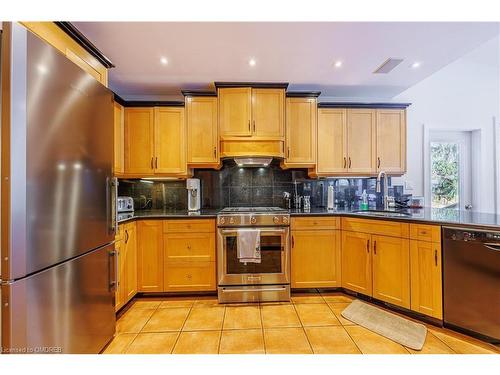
<point x="303" y="329"/>
<point x="439" y="339"/>
<point x="262" y="328"/>
<point x="221" y="329"/>
<point x="181" y="330"/>
<point x="354" y="341"/>
<point x="137" y="333"/>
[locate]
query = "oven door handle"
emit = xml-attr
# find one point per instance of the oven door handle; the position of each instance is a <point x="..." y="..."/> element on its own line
<point x="231" y="231"/>
<point x="253" y="290"/>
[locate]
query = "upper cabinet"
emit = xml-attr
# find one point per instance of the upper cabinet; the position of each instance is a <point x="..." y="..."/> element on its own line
<point x="155" y="141"/>
<point x="301" y="128"/>
<point x="93" y="63"/>
<point x="251" y="119"/>
<point x="202" y="134"/>
<point x="118" y="140"/>
<point x="361" y="141"/>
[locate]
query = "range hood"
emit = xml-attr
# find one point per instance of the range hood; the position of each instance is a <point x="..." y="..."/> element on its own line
<point x="253" y="161"/>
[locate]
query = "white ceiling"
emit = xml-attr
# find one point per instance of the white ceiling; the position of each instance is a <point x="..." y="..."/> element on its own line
<point x="302" y="54"/>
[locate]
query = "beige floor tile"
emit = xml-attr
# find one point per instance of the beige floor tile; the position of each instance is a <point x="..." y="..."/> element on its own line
<point x="286" y="341"/>
<point x="167" y="320"/>
<point x="307" y="298"/>
<point x="276" y="303"/>
<point x="133" y="320"/>
<point x="120" y="343"/>
<point x="432" y="345"/>
<point x="177" y="302"/>
<point x="205" y="318"/>
<point x="337" y="297"/>
<point x="153" y="343"/>
<point x="371" y="343"/>
<point x="331" y="340"/>
<point x="279" y="316"/>
<point x="242" y="341"/>
<point x="315" y="315"/>
<point x="242" y="317"/>
<point x="197" y="342"/>
<point x="337" y="309"/>
<point x="207" y="301"/>
<point x="145" y="304"/>
<point x="462" y="344"/>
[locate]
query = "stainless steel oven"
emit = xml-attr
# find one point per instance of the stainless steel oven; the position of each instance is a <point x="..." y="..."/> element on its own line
<point x="266" y="280"/>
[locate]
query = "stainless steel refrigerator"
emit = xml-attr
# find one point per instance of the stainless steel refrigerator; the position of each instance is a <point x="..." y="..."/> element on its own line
<point x="58" y="265"/>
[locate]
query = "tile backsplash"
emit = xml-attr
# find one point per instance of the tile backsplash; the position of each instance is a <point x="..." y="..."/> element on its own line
<point x="237" y="186"/>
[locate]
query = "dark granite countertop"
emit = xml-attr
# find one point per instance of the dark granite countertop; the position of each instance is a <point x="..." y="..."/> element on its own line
<point x="428" y="215"/>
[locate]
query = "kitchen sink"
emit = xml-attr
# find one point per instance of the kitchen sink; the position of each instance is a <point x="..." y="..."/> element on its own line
<point x="382" y="213"/>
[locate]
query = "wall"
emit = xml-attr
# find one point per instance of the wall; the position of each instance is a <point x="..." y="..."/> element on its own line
<point x="462" y="96"/>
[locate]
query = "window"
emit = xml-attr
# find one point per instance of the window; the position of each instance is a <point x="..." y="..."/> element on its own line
<point x="445" y="176"/>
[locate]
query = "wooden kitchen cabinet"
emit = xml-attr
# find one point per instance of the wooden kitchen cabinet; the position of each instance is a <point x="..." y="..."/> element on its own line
<point x="150" y="256"/>
<point x="315" y="259"/>
<point x="357" y="262"/>
<point x="190" y="277"/>
<point x="202" y="134"/>
<point x="301" y="127"/>
<point x="268" y="113"/>
<point x="235" y="112"/>
<point x="155" y="141"/>
<point x="391" y="270"/>
<point x="118" y="140"/>
<point x="391" y="141"/>
<point x="139" y="141"/>
<point x="361" y="135"/>
<point x="332" y="141"/>
<point x="126" y="250"/>
<point x="426" y="278"/>
<point x="169" y="141"/>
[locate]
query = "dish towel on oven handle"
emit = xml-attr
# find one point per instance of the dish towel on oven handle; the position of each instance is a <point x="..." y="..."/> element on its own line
<point x="249" y="245"/>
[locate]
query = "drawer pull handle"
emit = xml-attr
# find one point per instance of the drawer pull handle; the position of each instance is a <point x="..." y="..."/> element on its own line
<point x="375" y="247"/>
<point x="293" y="241"/>
<point x="368" y="246"/>
<point x="423" y="232"/>
<point x="435" y="257"/>
<point x="345" y="162"/>
<point x="349" y="162"/>
<point x="378" y="162"/>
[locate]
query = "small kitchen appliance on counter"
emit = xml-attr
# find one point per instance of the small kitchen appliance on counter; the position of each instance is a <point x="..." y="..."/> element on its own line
<point x="125" y="207"/>
<point x="193" y="187"/>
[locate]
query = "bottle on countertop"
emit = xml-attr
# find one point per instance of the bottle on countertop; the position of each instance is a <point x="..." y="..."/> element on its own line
<point x="364" y="201"/>
<point x="331" y="194"/>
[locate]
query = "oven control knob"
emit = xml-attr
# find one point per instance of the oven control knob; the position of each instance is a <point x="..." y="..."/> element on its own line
<point x="222" y="220"/>
<point x="276" y="219"/>
<point x="253" y="220"/>
<point x="231" y="220"/>
<point x="285" y="220"/>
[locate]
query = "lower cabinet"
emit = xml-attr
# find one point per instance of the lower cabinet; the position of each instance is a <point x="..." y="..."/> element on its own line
<point x="150" y="256"/>
<point x="426" y="278"/>
<point x="315" y="254"/>
<point x="391" y="270"/>
<point x="189" y="276"/>
<point x="356" y="262"/>
<point x="126" y="250"/>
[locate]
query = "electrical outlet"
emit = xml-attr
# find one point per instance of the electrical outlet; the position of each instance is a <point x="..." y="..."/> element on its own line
<point x="408" y="185"/>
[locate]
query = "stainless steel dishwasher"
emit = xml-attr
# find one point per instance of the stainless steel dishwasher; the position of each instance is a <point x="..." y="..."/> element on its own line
<point x="471" y="272"/>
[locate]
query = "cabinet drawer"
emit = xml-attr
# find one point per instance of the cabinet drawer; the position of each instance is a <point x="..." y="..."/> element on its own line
<point x="375" y="226"/>
<point x="189" y="225"/>
<point x="189" y="276"/>
<point x="189" y="247"/>
<point x="425" y="232"/>
<point x="315" y="222"/>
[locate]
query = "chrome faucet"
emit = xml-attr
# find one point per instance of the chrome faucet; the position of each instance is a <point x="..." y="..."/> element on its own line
<point x="385" y="199"/>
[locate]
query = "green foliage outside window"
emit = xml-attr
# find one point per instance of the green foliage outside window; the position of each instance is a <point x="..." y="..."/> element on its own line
<point x="444" y="174"/>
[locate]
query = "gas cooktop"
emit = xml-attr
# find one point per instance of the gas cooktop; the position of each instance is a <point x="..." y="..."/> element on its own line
<point x="252" y="209"/>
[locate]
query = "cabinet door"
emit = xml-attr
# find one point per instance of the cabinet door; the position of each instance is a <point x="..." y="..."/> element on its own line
<point x="315" y="259"/>
<point x="356" y="262"/>
<point x="268" y="113"/>
<point x="118" y="135"/>
<point x="235" y="109"/>
<point x="149" y="256"/>
<point x="170" y="140"/>
<point x="426" y="278"/>
<point x="139" y="140"/>
<point x="202" y="133"/>
<point x="391" y="140"/>
<point x="391" y="270"/>
<point x="332" y="141"/>
<point x="301" y="131"/>
<point x="130" y="259"/>
<point x="361" y="141"/>
<point x="120" y="287"/>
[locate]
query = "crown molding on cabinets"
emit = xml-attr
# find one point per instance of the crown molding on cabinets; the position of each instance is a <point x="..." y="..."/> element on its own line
<point x="198" y="93"/>
<point x="79" y="38"/>
<point x="255" y="85"/>
<point x="148" y="103"/>
<point x="363" y="105"/>
<point x="303" y="94"/>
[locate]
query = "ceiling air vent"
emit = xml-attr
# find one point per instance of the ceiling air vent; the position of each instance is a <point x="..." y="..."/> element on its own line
<point x="388" y="65"/>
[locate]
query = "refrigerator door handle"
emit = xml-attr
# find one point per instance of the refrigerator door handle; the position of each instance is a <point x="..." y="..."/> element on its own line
<point x="113" y="198"/>
<point x="113" y="272"/>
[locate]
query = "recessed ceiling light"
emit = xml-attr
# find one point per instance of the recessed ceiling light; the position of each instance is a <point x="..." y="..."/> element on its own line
<point x="252" y="62"/>
<point x="416" y="65"/>
<point x="164" y="61"/>
<point x="337" y="64"/>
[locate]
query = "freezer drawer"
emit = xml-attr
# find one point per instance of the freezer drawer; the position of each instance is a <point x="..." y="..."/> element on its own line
<point x="68" y="308"/>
